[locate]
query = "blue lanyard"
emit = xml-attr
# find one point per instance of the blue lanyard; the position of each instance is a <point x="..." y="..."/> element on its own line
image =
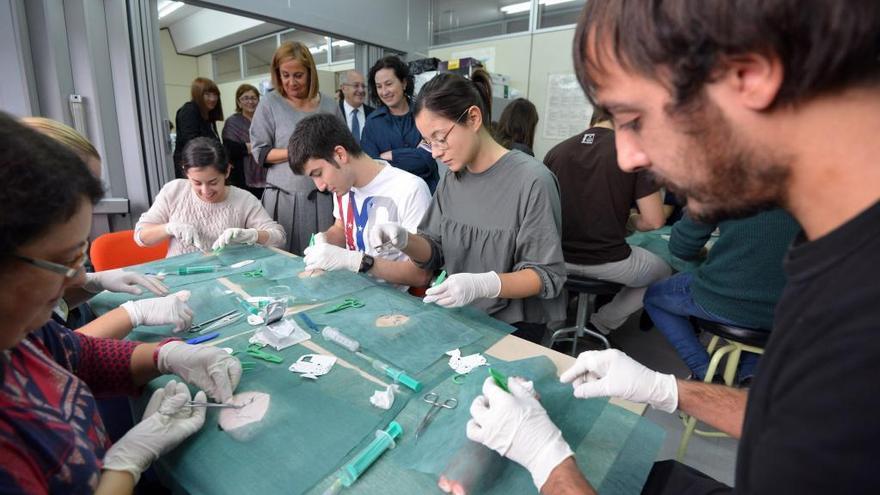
<point x="360" y="219"/>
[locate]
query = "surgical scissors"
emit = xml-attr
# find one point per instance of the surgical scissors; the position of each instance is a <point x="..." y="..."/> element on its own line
<point x="434" y="399"/>
<point x="349" y="302"/>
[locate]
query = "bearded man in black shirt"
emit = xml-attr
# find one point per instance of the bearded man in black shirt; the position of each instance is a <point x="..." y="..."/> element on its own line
<point x="744" y="105"/>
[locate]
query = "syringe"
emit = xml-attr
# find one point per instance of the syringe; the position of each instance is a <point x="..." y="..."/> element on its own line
<point x="192" y="270"/>
<point x="334" y="335"/>
<point x="247" y="306"/>
<point x="396" y="374"/>
<point x="364" y="459"/>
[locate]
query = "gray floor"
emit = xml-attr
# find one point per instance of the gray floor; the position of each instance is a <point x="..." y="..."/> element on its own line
<point x="714" y="456"/>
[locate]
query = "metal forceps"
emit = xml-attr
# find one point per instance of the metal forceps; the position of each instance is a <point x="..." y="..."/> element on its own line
<point x="199" y="326"/>
<point x="349" y="302"/>
<point x="222" y="322"/>
<point x="385" y="247"/>
<point x="434" y="399"/>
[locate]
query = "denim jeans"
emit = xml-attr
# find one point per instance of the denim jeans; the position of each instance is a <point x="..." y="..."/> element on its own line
<point x="670" y="303"/>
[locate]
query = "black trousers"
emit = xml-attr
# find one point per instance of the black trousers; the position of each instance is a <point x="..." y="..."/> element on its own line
<point x="533" y="332"/>
<point x="674" y="478"/>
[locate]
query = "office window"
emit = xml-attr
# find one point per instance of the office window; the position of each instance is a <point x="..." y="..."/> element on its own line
<point x="558" y="12"/>
<point x="463" y="20"/>
<point x="317" y="44"/>
<point x="227" y="65"/>
<point x="342" y="50"/>
<point x="258" y="56"/>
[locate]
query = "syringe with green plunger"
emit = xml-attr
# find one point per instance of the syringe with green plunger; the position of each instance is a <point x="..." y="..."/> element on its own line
<point x="364" y="459"/>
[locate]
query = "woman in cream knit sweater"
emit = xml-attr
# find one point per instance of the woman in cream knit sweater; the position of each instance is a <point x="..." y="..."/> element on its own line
<point x="201" y="212"/>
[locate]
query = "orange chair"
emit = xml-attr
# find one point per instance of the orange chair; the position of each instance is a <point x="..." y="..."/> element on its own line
<point x="118" y="249"/>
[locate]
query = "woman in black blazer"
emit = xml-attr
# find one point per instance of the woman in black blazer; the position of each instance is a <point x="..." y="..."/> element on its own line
<point x="197" y="117"/>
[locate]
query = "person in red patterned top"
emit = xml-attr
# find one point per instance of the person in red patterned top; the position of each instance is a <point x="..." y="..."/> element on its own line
<point x="52" y="439"/>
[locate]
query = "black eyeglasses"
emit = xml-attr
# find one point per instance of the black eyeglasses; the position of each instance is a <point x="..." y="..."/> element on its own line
<point x="69" y="271"/>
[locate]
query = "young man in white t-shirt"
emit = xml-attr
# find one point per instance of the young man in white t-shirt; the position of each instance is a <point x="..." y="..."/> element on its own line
<point x="367" y="193"/>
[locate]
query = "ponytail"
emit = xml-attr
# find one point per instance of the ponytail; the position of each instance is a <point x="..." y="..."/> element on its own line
<point x="449" y="95"/>
<point x="483" y="82"/>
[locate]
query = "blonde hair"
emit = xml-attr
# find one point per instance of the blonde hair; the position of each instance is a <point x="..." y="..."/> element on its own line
<point x="64" y="134"/>
<point x="299" y="52"/>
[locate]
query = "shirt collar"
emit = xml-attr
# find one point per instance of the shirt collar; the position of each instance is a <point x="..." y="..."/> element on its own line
<point x="349" y="108"/>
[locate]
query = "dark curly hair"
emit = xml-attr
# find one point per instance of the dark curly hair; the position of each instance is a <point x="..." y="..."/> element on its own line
<point x="401" y="71"/>
<point x="42" y="184"/>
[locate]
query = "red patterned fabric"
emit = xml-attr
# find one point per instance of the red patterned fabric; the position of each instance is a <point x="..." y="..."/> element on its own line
<point x="52" y="438"/>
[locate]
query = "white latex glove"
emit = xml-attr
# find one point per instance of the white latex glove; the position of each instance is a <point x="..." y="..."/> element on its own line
<point x="121" y="281"/>
<point x="462" y="288"/>
<point x="236" y="236"/>
<point x="171" y="309"/>
<point x="208" y="368"/>
<point x="167" y="421"/>
<point x="611" y="373"/>
<point x="389" y="232"/>
<point x="185" y="233"/>
<point x="320" y="238"/>
<point x="516" y="426"/>
<point x="329" y="257"/>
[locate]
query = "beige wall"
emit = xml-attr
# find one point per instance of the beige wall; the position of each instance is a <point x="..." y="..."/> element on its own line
<point x="551" y="54"/>
<point x="527" y="60"/>
<point x="511" y="58"/>
<point x="206" y="66"/>
<point x="180" y="70"/>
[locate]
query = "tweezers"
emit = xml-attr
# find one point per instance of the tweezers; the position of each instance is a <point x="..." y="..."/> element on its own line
<point x="198" y="326"/>
<point x="227" y="320"/>
<point x="193" y="403"/>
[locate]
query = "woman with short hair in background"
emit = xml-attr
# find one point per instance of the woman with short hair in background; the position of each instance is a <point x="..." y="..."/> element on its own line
<point x="198" y="117"/>
<point x="516" y="127"/>
<point x="237" y="140"/>
<point x="290" y="199"/>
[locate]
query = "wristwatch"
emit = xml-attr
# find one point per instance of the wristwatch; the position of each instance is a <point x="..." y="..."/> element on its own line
<point x="366" y="263"/>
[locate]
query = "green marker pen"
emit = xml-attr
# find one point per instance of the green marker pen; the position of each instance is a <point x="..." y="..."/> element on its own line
<point x="439" y="280"/>
<point x="312" y="240"/>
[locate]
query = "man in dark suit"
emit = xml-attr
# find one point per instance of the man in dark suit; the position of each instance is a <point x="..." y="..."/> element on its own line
<point x="352" y="104"/>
